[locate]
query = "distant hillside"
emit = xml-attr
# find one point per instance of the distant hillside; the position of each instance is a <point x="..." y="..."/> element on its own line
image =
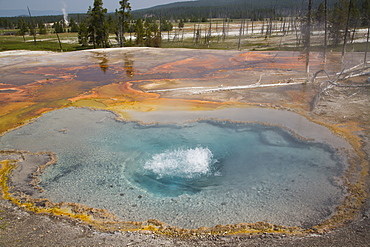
<point x="223" y="3"/>
<point x="222" y="8"/>
<point x="24" y="12"/>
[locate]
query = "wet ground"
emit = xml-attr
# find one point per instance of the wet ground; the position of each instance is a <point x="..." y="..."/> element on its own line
<point x="148" y="80"/>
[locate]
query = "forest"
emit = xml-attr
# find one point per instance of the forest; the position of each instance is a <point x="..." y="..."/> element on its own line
<point x="148" y="27"/>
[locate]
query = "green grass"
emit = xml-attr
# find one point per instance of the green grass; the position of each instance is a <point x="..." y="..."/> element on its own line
<point x="10" y="42"/>
<point x="215" y="43"/>
<point x="49" y="42"/>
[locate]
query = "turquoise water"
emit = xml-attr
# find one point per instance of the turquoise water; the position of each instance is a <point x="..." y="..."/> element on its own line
<point x="201" y="173"/>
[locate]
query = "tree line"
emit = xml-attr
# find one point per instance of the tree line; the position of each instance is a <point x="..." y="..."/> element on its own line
<point x="340" y="20"/>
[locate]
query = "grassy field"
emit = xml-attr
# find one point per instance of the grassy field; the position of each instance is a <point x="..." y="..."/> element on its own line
<point x="181" y="39"/>
<point x="48" y="42"/>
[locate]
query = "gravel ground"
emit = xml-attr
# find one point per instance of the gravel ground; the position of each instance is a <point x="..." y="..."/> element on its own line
<point x="19" y="228"/>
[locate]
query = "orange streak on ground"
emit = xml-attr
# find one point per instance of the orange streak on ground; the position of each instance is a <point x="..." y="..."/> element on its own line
<point x="127" y="89"/>
<point x="21" y="93"/>
<point x="92" y="94"/>
<point x="39" y="96"/>
<point x="188" y="65"/>
<point x="42" y="110"/>
<point x="274" y="60"/>
<point x="120" y="97"/>
<point x="250" y="56"/>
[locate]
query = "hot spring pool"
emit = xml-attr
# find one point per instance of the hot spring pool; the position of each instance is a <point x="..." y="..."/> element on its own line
<point x="199" y="173"/>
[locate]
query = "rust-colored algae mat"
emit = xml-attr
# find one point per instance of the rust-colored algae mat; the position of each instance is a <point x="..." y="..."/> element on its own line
<point x="44" y="82"/>
<point x="150" y="80"/>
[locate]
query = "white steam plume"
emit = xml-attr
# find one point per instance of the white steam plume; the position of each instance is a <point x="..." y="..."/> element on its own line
<point x="65" y="14"/>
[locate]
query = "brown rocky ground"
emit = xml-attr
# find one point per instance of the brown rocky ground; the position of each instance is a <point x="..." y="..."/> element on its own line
<point x="19" y="228"/>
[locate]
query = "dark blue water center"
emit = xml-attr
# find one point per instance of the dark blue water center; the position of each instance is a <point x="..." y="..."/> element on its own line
<point x="206" y="155"/>
<point x="202" y="173"/>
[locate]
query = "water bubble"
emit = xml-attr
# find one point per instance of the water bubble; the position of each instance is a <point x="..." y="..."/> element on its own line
<point x="184" y="163"/>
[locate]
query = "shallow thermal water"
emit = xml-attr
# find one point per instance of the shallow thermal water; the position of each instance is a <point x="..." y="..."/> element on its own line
<point x="197" y="174"/>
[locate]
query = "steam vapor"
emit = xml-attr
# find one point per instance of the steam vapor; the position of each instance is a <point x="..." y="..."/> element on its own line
<point x="65" y="14"/>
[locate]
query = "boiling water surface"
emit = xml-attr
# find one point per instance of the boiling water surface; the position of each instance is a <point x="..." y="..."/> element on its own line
<point x="201" y="173"/>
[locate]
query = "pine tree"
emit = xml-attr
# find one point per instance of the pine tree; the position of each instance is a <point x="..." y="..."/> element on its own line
<point x="181" y="24"/>
<point x="58" y="27"/>
<point x="123" y="17"/>
<point x="148" y="33"/>
<point x="166" y="26"/>
<point x="42" y="28"/>
<point x="338" y="20"/>
<point x="31" y="26"/>
<point x="111" y="24"/>
<point x="139" y="30"/>
<point x="73" y="25"/>
<point x="83" y="34"/>
<point x="320" y="14"/>
<point x="97" y="26"/>
<point x="23" y="28"/>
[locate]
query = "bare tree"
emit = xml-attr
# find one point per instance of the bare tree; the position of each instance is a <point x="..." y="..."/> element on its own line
<point x="346" y="30"/>
<point x="32" y="26"/>
<point x="308" y="37"/>
<point x="325" y="28"/>
<point x="240" y="33"/>
<point x="367" y="45"/>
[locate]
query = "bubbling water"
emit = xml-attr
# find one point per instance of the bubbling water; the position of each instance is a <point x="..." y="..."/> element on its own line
<point x="197" y="174"/>
<point x="184" y="163"/>
<point x="174" y="172"/>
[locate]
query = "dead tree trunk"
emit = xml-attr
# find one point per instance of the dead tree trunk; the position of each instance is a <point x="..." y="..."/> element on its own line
<point x="32" y="26"/>
<point x="243" y="26"/>
<point x="60" y="44"/>
<point x="194" y="36"/>
<point x="342" y="76"/>
<point x="240" y="33"/>
<point x="223" y="29"/>
<point x="298" y="33"/>
<point x="207" y="37"/>
<point x="228" y="27"/>
<point x="325" y="28"/>
<point x="270" y="27"/>
<point x="308" y="37"/>
<point x="367" y="45"/>
<point x="252" y="26"/>
<point x="346" y="31"/>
